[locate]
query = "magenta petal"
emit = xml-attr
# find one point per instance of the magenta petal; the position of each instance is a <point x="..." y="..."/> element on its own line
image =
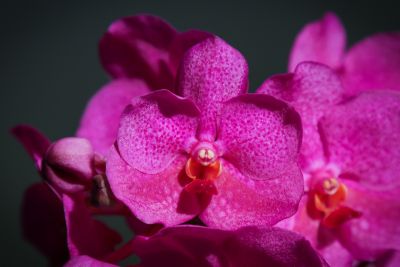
<point x="86" y="261"/>
<point x="212" y="72"/>
<point x="373" y="63"/>
<point x="34" y="142"/>
<point x="153" y="198"/>
<point x="377" y="230"/>
<point x="155" y="129"/>
<point x="312" y="89"/>
<point x="322" y="41"/>
<point x="138" y="47"/>
<point x="363" y="138"/>
<point x="183" y="246"/>
<point x="260" y="136"/>
<point x="100" y="121"/>
<point x="43" y="223"/>
<point x="242" y="201"/>
<point x="85" y="235"/>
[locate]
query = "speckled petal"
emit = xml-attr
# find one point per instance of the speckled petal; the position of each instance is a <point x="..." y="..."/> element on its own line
<point x="155" y="129"/>
<point x="312" y="90"/>
<point x="363" y="136"/>
<point x="183" y="246"/>
<point x="43" y="223"/>
<point x="242" y="201"/>
<point x="85" y="235"/>
<point x="377" y="230"/>
<point x="153" y="198"/>
<point x="212" y="72"/>
<point x="34" y="142"/>
<point x="373" y="63"/>
<point x="320" y="41"/>
<point x="137" y="47"/>
<point x="86" y="261"/>
<point x="260" y="136"/>
<point x="101" y="118"/>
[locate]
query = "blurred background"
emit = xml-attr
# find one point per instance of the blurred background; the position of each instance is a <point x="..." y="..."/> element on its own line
<point x="49" y="67"/>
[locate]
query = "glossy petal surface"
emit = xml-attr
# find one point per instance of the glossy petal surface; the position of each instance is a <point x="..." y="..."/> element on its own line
<point x="155" y="129"/>
<point x="212" y="72"/>
<point x="34" y="142"/>
<point x="100" y="120"/>
<point x="251" y="246"/>
<point x="313" y="89"/>
<point x="153" y="198"/>
<point x="373" y="63"/>
<point x="242" y="201"/>
<point x="363" y="136"/>
<point x="85" y="235"/>
<point x="320" y="41"/>
<point x="260" y="135"/>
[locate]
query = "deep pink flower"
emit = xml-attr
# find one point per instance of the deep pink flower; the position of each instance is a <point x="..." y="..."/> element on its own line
<point x="141" y="53"/>
<point x="351" y="163"/>
<point x="57" y="210"/>
<point x="373" y="63"/>
<point x="222" y="154"/>
<point x="184" y="246"/>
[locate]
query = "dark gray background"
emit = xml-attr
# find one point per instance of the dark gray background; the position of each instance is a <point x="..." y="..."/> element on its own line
<point x="49" y="66"/>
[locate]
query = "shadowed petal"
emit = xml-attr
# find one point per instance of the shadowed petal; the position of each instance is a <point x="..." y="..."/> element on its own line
<point x="153" y="198"/>
<point x="373" y="63"/>
<point x="137" y="47"/>
<point x="101" y="118"/>
<point x="321" y="41"/>
<point x="212" y="72"/>
<point x="313" y="89"/>
<point x="377" y="230"/>
<point x="242" y="201"/>
<point x="260" y="136"/>
<point x="86" y="261"/>
<point x="34" y="142"/>
<point x="43" y="223"/>
<point x="85" y="235"/>
<point x="155" y="129"/>
<point x="199" y="246"/>
<point x="363" y="137"/>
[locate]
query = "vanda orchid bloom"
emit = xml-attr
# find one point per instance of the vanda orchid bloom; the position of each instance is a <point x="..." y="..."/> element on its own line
<point x="351" y="163"/>
<point x="188" y="245"/>
<point x="372" y="63"/>
<point x="141" y="53"/>
<point x="216" y="151"/>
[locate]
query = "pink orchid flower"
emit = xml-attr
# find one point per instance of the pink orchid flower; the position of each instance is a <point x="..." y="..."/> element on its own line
<point x="183" y="246"/>
<point x="217" y="152"/>
<point x="141" y="53"/>
<point x="351" y="164"/>
<point x="373" y="63"/>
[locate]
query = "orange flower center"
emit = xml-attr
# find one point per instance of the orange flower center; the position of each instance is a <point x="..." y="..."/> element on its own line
<point x="326" y="203"/>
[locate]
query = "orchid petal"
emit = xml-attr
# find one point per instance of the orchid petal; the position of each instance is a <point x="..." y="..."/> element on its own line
<point x="153" y="198"/>
<point x="373" y="63"/>
<point x="250" y="246"/>
<point x="34" y="142"/>
<point x="155" y="129"/>
<point x="86" y="261"/>
<point x="260" y="135"/>
<point x="242" y="201"/>
<point x="313" y="89"/>
<point x="212" y="72"/>
<point x="321" y="41"/>
<point x="101" y="119"/>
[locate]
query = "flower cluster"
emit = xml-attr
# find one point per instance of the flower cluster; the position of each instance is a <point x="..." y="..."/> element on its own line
<point x="304" y="172"/>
